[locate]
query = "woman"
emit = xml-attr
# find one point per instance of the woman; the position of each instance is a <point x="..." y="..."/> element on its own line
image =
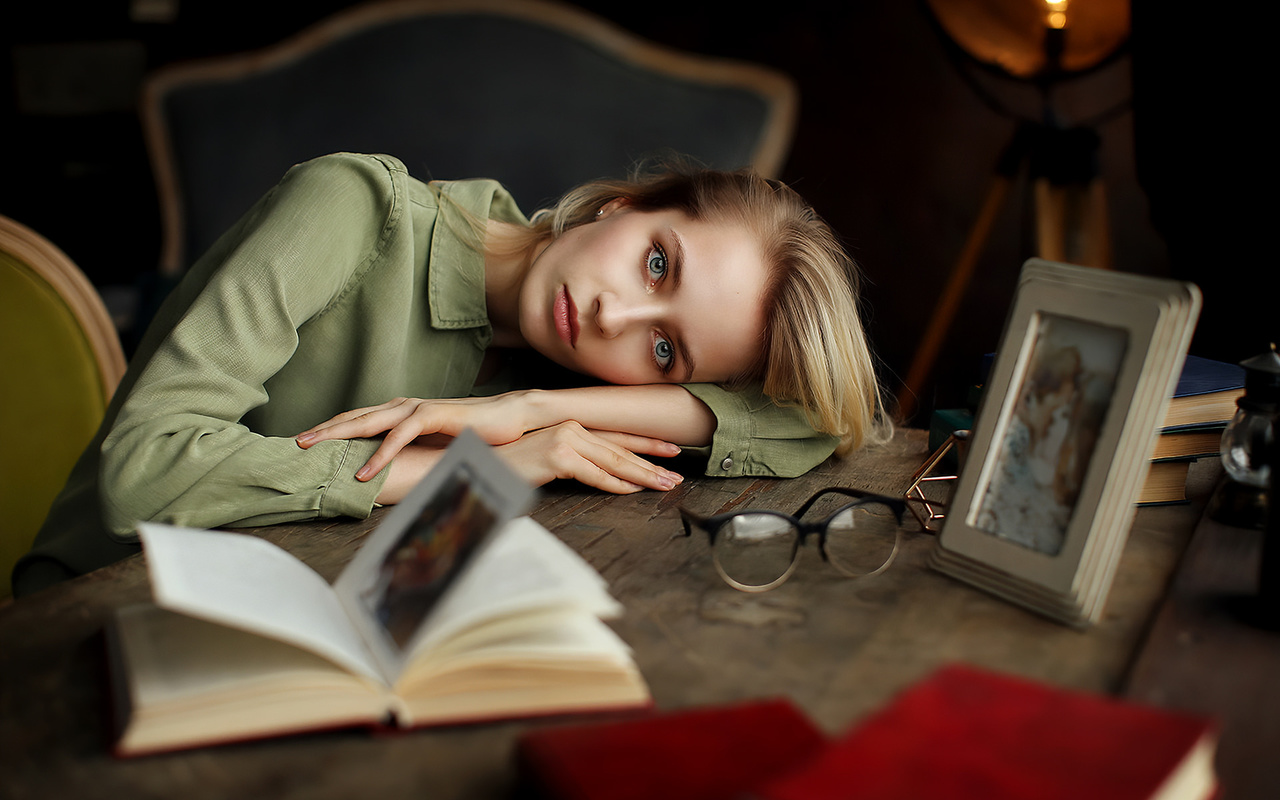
<point x="351" y="283"/>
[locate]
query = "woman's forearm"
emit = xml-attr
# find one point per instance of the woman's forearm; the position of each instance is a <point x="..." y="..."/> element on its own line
<point x="662" y="411"/>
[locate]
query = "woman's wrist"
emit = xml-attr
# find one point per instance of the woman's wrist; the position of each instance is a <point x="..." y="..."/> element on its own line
<point x="661" y="411"/>
<point x="536" y="408"/>
<point x="406" y="470"/>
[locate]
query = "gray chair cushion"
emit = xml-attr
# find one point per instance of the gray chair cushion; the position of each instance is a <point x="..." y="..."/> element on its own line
<point x="454" y="96"/>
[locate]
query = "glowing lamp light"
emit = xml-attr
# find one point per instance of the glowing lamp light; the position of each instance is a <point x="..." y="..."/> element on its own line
<point x="1056" y="13"/>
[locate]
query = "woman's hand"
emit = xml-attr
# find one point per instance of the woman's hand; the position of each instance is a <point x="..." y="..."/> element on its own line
<point x="601" y="459"/>
<point x="497" y="420"/>
<point x="658" y="412"/>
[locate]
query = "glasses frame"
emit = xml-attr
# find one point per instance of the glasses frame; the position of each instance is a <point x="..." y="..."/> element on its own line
<point x="931" y="517"/>
<point x="713" y="523"/>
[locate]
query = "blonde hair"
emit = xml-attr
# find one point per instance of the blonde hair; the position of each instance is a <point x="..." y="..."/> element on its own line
<point x="814" y="352"/>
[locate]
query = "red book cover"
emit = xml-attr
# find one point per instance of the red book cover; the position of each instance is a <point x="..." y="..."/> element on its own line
<point x="966" y="733"/>
<point x="716" y="753"/>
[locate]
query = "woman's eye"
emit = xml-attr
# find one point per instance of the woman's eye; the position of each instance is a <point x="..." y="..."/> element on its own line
<point x="656" y="263"/>
<point x="663" y="353"/>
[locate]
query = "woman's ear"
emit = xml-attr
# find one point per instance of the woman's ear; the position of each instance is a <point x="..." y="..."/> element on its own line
<point x="611" y="206"/>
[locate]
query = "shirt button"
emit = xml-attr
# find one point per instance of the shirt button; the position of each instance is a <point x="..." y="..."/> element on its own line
<point x="727" y="464"/>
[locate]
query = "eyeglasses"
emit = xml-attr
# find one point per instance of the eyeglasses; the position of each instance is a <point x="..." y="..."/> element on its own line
<point x="755" y="551"/>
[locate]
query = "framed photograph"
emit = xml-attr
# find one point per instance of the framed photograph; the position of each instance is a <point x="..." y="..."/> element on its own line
<point x="1061" y="444"/>
<point x="425" y="543"/>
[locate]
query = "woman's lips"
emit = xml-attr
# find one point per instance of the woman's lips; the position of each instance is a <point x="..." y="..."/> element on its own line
<point x="566" y="316"/>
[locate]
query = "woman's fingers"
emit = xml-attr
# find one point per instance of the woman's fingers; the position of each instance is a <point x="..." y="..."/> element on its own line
<point x="398" y="438"/>
<point x="497" y="420"/>
<point x="603" y="460"/>
<point x="361" y="423"/>
<point x="636" y="443"/>
<point x="607" y="460"/>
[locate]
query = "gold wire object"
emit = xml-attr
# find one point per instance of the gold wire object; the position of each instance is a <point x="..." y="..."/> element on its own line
<point x="929" y="512"/>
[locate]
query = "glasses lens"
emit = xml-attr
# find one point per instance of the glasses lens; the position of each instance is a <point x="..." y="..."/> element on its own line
<point x="755" y="550"/>
<point x="863" y="539"/>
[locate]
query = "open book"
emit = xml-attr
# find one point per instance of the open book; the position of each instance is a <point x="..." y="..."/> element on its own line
<point x="245" y="641"/>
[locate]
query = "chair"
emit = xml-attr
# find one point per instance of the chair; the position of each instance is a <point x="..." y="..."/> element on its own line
<point x="538" y="95"/>
<point x="62" y="360"/>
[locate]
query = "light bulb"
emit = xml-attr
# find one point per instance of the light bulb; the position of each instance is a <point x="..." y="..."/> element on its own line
<point x="1056" y="13"/>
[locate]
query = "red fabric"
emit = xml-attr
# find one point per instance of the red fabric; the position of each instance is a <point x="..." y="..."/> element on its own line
<point x="702" y="754"/>
<point x="965" y="733"/>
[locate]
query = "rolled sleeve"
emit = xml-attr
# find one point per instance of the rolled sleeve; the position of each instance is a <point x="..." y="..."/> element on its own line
<point x="757" y="437"/>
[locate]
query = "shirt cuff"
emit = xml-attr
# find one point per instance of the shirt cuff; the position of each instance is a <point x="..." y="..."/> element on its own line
<point x="757" y="437"/>
<point x="345" y="496"/>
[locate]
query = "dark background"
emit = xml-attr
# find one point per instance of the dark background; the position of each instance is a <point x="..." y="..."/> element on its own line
<point x="892" y="147"/>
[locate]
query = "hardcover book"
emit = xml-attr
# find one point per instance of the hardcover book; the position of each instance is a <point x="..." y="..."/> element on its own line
<point x="1206" y="393"/>
<point x="969" y="733"/>
<point x="710" y="753"/>
<point x="1166" y="482"/>
<point x="1189" y="441"/>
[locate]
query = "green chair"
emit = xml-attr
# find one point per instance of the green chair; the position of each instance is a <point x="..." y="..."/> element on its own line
<point x="62" y="360"/>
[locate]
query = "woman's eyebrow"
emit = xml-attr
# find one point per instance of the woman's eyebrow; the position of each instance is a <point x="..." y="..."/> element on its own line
<point x="677" y="257"/>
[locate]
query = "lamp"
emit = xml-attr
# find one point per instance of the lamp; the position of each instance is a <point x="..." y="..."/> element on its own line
<point x="1037" y="43"/>
<point x="1241" y="498"/>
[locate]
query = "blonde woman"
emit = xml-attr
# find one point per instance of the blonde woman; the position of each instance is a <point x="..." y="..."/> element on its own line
<point x="316" y="360"/>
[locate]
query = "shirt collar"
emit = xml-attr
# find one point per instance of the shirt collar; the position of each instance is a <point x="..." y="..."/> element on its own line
<point x="455" y="273"/>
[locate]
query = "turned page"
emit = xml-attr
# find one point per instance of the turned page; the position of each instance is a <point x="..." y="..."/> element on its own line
<point x="526" y="570"/>
<point x="248" y="583"/>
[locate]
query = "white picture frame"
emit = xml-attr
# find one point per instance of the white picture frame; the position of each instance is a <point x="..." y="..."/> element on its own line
<point x="1061" y="443"/>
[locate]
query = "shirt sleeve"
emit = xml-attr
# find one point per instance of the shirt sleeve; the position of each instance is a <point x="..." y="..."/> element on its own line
<point x="178" y="451"/>
<point x="757" y="437"/>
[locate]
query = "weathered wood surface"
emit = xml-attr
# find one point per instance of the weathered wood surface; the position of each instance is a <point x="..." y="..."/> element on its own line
<point x="837" y="647"/>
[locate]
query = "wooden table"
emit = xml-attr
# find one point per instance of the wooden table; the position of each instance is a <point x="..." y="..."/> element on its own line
<point x="838" y="648"/>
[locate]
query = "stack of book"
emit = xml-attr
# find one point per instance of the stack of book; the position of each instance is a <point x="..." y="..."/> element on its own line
<point x="1202" y="404"/>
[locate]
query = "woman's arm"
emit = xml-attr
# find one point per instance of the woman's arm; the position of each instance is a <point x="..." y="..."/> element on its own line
<point x="649" y="415"/>
<point x="178" y="449"/>
<point x="740" y="432"/>
<point x="602" y="459"/>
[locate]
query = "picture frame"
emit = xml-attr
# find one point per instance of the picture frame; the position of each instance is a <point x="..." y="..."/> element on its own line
<point x="1061" y="443"/>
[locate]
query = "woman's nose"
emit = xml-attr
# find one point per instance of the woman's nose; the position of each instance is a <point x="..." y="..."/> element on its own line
<point x="615" y="314"/>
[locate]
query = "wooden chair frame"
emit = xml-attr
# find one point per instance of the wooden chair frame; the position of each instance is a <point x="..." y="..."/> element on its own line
<point x="53" y="265"/>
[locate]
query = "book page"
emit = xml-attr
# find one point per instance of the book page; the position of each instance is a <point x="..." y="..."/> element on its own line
<point x="425" y="544"/>
<point x="525" y="569"/>
<point x="248" y="583"/>
<point x="193" y="682"/>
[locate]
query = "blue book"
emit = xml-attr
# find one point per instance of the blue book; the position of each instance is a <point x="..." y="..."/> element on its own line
<point x="1206" y="393"/>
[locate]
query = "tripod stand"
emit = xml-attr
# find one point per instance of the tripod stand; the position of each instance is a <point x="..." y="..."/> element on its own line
<point x="1071" y="224"/>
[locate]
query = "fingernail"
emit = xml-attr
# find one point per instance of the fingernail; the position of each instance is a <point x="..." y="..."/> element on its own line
<point x="362" y="474"/>
<point x="676" y="477"/>
<point x="304" y="438"/>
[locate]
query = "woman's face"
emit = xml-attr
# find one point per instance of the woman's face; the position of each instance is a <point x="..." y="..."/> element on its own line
<point x="647" y="297"/>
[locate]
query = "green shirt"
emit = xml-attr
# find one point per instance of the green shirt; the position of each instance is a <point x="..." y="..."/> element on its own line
<point x="347" y="285"/>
